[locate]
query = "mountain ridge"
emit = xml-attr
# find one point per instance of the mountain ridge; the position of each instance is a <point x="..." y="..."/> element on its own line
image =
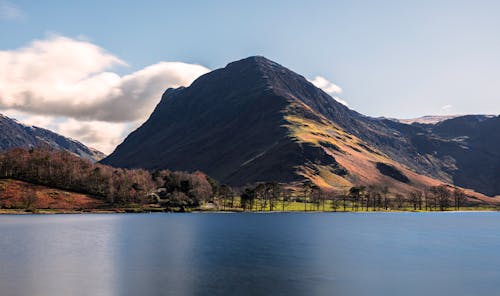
<point x="14" y="134"/>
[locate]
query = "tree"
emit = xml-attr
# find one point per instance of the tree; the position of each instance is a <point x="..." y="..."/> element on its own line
<point x="356" y="194"/>
<point x="385" y="197"/>
<point x="225" y="192"/>
<point x="273" y="192"/>
<point x="285" y="197"/>
<point x="441" y="195"/>
<point x="459" y="197"/>
<point x="60" y="169"/>
<point x="335" y="201"/>
<point x="316" y="195"/>
<point x="307" y="188"/>
<point x="399" y="201"/>
<point x="247" y="198"/>
<point x="416" y="199"/>
<point x="345" y="196"/>
<point x="261" y="195"/>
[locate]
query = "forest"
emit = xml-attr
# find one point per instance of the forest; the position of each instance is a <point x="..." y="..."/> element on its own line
<point x="63" y="170"/>
<point x="184" y="191"/>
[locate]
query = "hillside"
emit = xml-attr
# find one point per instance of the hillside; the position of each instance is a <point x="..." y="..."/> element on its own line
<point x="16" y="194"/>
<point x="255" y="120"/>
<point x="16" y="135"/>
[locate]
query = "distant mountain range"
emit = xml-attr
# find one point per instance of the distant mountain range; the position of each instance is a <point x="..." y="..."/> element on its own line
<point x="428" y="119"/>
<point x="255" y="120"/>
<point x="16" y="135"/>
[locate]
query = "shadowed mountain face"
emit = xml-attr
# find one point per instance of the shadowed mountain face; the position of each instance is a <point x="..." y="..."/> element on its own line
<point x="229" y="123"/>
<point x="255" y="120"/>
<point x="16" y="135"/>
<point x="468" y="148"/>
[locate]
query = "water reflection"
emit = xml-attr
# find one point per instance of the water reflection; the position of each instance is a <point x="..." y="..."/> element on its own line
<point x="250" y="254"/>
<point x="57" y="255"/>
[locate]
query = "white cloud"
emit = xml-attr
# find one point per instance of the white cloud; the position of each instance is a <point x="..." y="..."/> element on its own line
<point x="66" y="85"/>
<point x="326" y="85"/>
<point x="10" y="12"/>
<point x="104" y="136"/>
<point x="341" y="101"/>
<point x="446" y="109"/>
<point x="60" y="76"/>
<point x="329" y="87"/>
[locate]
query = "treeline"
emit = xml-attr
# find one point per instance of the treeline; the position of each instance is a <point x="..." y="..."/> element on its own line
<point x="116" y="186"/>
<point x="273" y="196"/>
<point x="433" y="198"/>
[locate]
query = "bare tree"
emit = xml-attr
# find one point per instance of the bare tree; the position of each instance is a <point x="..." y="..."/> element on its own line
<point x="385" y="196"/>
<point x="416" y="199"/>
<point x="459" y="197"/>
<point x="274" y="192"/>
<point x="285" y="197"/>
<point x="260" y="195"/>
<point x="316" y="195"/>
<point x="356" y="195"/>
<point x="344" y="200"/>
<point x="306" y="192"/>
<point x="225" y="192"/>
<point x="400" y="201"/>
<point x="442" y="196"/>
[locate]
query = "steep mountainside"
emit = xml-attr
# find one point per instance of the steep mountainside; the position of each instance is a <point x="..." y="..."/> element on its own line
<point x="255" y="120"/>
<point x="468" y="147"/>
<point x="14" y="134"/>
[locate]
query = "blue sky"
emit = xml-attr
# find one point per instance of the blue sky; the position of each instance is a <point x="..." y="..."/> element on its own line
<point x="391" y="58"/>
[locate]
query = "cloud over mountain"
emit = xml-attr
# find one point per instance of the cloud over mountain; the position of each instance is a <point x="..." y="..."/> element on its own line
<point x="68" y="82"/>
<point x="329" y="87"/>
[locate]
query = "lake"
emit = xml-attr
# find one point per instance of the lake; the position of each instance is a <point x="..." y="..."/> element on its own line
<point x="251" y="254"/>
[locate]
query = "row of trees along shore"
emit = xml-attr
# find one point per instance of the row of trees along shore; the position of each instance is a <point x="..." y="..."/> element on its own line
<point x="273" y="196"/>
<point x="169" y="189"/>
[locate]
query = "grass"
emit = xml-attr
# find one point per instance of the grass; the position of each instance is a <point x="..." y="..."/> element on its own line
<point x="297" y="206"/>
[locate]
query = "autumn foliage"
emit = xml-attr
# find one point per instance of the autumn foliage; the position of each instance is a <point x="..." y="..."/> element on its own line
<point x="60" y="169"/>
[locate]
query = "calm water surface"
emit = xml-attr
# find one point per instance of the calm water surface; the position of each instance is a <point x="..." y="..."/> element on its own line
<point x="251" y="254"/>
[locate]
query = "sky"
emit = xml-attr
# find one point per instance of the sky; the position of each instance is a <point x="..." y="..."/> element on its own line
<point x="94" y="70"/>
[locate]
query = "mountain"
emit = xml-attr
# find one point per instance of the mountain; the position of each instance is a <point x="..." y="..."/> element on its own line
<point x="467" y="148"/>
<point x="16" y="135"/>
<point x="428" y="119"/>
<point x="255" y="120"/>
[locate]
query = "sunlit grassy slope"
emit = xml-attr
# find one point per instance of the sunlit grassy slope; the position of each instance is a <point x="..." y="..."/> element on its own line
<point x="358" y="158"/>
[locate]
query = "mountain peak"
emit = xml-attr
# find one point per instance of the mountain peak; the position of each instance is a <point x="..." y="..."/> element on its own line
<point x="254" y="60"/>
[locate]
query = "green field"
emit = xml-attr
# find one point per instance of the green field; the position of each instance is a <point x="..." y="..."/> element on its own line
<point x="295" y="206"/>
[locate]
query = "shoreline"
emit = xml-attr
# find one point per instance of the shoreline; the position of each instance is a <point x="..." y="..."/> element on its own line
<point x="197" y="211"/>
